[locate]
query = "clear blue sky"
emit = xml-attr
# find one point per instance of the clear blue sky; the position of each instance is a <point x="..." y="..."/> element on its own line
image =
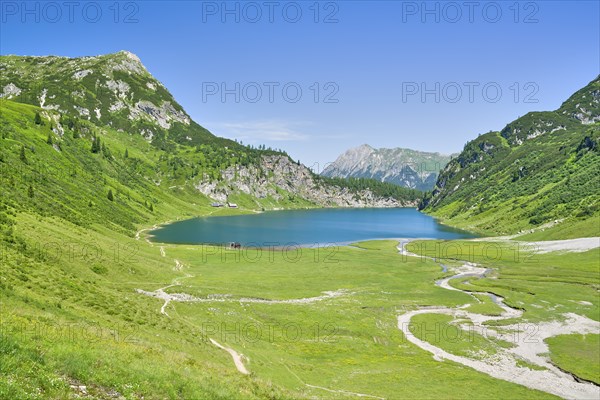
<point x="376" y="55"/>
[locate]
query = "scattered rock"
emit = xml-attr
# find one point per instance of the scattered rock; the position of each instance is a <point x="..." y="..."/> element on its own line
<point x="10" y="91"/>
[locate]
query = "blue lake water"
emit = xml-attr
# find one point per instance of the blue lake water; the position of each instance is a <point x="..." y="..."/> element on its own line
<point x="307" y="227"/>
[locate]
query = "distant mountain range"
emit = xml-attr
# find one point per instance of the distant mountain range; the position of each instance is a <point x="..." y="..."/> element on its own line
<point x="404" y="167"/>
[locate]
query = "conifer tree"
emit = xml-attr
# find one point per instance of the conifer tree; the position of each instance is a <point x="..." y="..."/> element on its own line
<point x="23" y="156"/>
<point x="96" y="145"/>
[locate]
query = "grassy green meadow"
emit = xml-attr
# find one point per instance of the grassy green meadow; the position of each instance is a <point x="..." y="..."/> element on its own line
<point x="71" y="316"/>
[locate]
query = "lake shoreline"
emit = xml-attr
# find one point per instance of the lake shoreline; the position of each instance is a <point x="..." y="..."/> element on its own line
<point x="303" y="228"/>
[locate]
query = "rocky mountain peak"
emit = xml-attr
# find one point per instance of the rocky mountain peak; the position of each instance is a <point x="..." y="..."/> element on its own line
<point x="408" y="168"/>
<point x="364" y="148"/>
<point x="354" y="155"/>
<point x="115" y="90"/>
<point x="130" y="55"/>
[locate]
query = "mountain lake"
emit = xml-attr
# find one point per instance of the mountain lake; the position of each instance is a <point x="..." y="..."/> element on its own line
<point x="307" y="227"/>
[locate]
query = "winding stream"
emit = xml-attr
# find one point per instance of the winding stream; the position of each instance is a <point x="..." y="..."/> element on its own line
<point x="528" y="341"/>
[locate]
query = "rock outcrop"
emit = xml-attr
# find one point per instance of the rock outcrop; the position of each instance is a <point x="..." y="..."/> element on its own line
<point x="278" y="176"/>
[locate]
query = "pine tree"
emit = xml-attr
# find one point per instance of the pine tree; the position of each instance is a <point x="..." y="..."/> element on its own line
<point x="37" y="119"/>
<point x="23" y="156"/>
<point x="110" y="195"/>
<point x="126" y="153"/>
<point x="30" y="192"/>
<point x="95" y="145"/>
<point x="151" y="207"/>
<point x="49" y="141"/>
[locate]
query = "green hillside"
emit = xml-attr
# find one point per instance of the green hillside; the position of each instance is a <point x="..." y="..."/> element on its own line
<point x="64" y="176"/>
<point x="112" y="90"/>
<point x="542" y="171"/>
<point x="79" y="189"/>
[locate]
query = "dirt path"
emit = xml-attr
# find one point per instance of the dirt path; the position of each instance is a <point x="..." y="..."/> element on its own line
<point x="237" y="357"/>
<point x="305" y="300"/>
<point x="178" y="266"/>
<point x="138" y="234"/>
<point x="343" y="392"/>
<point x="220" y="298"/>
<point x="528" y="340"/>
<point x="152" y="228"/>
<point x="161" y="294"/>
<point x="333" y="390"/>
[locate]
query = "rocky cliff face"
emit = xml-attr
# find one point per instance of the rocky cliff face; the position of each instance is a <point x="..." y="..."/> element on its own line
<point x="403" y="167"/>
<point x="278" y="176"/>
<point x="113" y="90"/>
